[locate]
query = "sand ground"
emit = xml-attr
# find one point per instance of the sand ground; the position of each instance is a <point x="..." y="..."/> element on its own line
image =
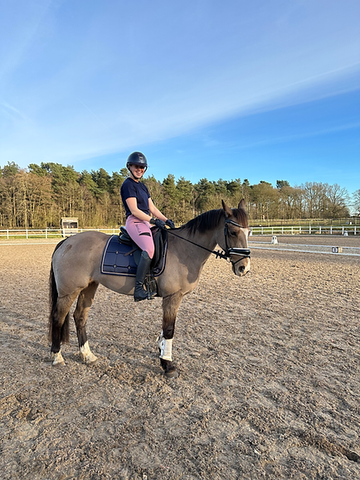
<point x="269" y="383"/>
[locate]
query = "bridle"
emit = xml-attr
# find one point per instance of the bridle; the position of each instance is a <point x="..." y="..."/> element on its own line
<point x="241" y="252"/>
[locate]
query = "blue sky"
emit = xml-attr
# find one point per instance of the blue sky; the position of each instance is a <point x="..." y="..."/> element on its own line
<point x="263" y="90"/>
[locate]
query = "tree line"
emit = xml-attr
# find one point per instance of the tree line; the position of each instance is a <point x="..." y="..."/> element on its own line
<point x="37" y="197"/>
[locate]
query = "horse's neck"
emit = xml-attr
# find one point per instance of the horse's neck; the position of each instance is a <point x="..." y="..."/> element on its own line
<point x="202" y="244"/>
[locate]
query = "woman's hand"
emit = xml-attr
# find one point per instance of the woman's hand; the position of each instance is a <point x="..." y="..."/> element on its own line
<point x="170" y="223"/>
<point x="158" y="223"/>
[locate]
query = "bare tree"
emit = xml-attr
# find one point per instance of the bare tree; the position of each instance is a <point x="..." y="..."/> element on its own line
<point x="356" y="202"/>
<point x="335" y="205"/>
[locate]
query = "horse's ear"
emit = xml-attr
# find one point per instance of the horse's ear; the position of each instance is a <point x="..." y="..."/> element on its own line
<point x="242" y="205"/>
<point x="227" y="210"/>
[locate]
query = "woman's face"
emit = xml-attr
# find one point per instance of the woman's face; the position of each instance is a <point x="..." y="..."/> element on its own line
<point x="137" y="171"/>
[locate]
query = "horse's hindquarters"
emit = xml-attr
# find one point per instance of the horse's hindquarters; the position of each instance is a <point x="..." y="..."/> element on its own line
<point x="76" y="262"/>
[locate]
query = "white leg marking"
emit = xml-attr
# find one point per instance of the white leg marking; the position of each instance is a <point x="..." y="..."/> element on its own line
<point x="165" y="347"/>
<point x="57" y="358"/>
<point x="86" y="354"/>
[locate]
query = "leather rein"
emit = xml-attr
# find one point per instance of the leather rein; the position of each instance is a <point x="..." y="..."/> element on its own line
<point x="241" y="252"/>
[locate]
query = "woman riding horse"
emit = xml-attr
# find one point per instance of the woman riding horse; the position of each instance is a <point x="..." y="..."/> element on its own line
<point x="138" y="206"/>
<point x="76" y="273"/>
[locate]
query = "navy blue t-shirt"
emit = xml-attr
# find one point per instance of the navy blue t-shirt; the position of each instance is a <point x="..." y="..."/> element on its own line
<point x="138" y="190"/>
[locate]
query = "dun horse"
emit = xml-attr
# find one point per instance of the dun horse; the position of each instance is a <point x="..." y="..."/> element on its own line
<point x="75" y="273"/>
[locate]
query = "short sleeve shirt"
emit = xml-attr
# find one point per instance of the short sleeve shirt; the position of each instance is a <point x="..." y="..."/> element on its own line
<point x="132" y="189"/>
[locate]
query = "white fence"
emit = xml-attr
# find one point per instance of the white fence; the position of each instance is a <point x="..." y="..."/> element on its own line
<point x="49" y="232"/>
<point x="306" y="230"/>
<point x="280" y="230"/>
<point x="302" y="248"/>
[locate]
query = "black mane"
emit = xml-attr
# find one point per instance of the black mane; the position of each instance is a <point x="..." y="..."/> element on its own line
<point x="206" y="221"/>
<point x="210" y="220"/>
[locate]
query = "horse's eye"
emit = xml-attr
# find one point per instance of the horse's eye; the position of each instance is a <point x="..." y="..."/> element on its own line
<point x="231" y="233"/>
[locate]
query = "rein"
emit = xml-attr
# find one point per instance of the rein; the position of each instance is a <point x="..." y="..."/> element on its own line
<point x="243" y="252"/>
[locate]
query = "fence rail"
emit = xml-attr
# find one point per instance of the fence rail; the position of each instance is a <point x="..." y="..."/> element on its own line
<point x="346" y="230"/>
<point x="50" y="232"/>
<point x="307" y="230"/>
<point x="302" y="248"/>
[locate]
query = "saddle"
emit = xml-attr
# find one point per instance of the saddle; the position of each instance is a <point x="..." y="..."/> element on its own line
<point x="121" y="255"/>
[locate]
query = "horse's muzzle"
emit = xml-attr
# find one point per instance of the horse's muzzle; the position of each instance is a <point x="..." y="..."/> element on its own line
<point x="240" y="260"/>
<point x="242" y="267"/>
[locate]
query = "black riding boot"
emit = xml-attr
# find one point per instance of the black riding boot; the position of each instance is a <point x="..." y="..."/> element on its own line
<point x="141" y="272"/>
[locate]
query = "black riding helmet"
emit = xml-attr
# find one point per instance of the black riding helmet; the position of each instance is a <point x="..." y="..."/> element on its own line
<point x="137" y="158"/>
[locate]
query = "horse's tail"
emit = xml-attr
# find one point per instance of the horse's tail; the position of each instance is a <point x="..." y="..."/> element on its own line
<point x="53" y="298"/>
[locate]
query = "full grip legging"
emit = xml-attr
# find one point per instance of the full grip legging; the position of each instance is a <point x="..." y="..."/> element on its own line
<point x="140" y="232"/>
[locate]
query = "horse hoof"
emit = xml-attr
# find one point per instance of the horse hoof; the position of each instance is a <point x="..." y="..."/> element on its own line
<point x="86" y="354"/>
<point x="89" y="359"/>
<point x="59" y="364"/>
<point x="171" y="373"/>
<point x="58" y="360"/>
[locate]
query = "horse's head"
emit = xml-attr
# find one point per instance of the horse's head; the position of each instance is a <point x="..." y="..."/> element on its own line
<point x="235" y="239"/>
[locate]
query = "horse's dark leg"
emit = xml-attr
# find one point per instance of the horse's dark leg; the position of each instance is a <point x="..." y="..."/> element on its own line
<point x="84" y="303"/>
<point x="170" y="308"/>
<point x="59" y="326"/>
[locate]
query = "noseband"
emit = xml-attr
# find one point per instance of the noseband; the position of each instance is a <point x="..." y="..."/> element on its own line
<point x="241" y="252"/>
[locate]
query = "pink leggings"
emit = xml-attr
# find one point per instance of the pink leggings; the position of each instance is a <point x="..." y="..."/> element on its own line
<point x="140" y="232"/>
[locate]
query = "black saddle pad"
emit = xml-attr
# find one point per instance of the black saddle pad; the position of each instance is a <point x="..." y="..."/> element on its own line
<point x="123" y="259"/>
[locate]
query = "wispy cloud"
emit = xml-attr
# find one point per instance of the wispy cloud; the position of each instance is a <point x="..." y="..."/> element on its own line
<point x="10" y="111"/>
<point x="19" y="33"/>
<point x="92" y="113"/>
<point x="273" y="140"/>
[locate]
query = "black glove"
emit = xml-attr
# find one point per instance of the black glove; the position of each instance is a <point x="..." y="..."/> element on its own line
<point x="170" y="223"/>
<point x="159" y="223"/>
